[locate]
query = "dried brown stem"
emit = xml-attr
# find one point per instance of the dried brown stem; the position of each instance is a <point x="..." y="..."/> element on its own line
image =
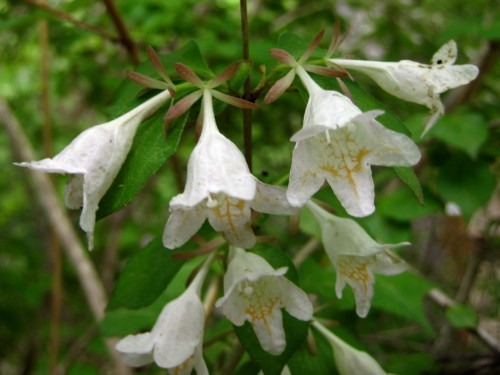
<point x="69" y="18"/>
<point x="78" y="256"/>
<point x="122" y="30"/>
<point x="443" y="301"/>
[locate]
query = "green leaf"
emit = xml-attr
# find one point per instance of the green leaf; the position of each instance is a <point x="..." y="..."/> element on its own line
<point x="295" y="330"/>
<point x="151" y="149"/>
<point x="463" y="181"/>
<point x="461" y="316"/>
<point x="122" y="322"/>
<point x="400" y="205"/>
<point x="410" y="179"/>
<point x="403" y="295"/>
<point x="322" y="362"/>
<point x="465" y="131"/>
<point x="145" y="277"/>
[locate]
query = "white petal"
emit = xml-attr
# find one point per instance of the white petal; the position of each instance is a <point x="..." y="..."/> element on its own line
<point x="181" y="225"/>
<point x="305" y="180"/>
<point x="356" y="271"/>
<point x="295" y="300"/>
<point x="272" y="200"/>
<point x="349" y="360"/>
<point x="330" y="109"/>
<point x="215" y="166"/>
<point x="140" y="344"/>
<point x="179" y="330"/>
<point x="387" y="147"/>
<point x="231" y="217"/>
<point x="73" y="192"/>
<point x="446" y="55"/>
<point x="136" y="349"/>
<point x="269" y="331"/>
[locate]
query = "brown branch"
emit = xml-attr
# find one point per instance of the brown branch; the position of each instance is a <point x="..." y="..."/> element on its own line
<point x="69" y="18"/>
<point x="122" y="30"/>
<point x="485" y="62"/>
<point x="247" y="113"/>
<point x="78" y="256"/>
<point x="443" y="301"/>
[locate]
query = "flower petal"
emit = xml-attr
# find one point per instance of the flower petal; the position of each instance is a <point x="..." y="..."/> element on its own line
<point x="305" y="181"/>
<point x="179" y="330"/>
<point x="136" y="349"/>
<point x="271" y="199"/>
<point x="231" y="217"/>
<point x="181" y="225"/>
<point x="295" y="300"/>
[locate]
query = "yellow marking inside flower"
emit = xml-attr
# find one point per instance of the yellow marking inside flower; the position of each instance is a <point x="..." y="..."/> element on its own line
<point x="260" y="306"/>
<point x="356" y="271"/>
<point x="344" y="158"/>
<point x="228" y="210"/>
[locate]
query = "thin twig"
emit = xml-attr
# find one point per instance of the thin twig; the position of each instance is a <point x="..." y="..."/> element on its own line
<point x="69" y="18"/>
<point x="122" y="30"/>
<point x="247" y="113"/>
<point x="445" y="302"/>
<point x="47" y="195"/>
<point x="54" y="244"/>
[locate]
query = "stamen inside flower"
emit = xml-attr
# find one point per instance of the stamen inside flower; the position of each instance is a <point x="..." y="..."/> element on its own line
<point x="327" y="134"/>
<point x="211" y="203"/>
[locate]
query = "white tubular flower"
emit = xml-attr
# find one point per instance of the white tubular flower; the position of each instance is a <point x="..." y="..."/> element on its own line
<point x="349" y="360"/>
<point x="338" y="143"/>
<point x="221" y="188"/>
<point x="355" y="256"/>
<point x="256" y="292"/>
<point x="94" y="158"/>
<point x="176" y="340"/>
<point x="415" y="82"/>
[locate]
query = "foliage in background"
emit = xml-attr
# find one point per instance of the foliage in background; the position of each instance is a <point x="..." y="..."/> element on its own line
<point x="404" y="330"/>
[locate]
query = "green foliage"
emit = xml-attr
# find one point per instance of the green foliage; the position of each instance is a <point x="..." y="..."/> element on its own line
<point x="88" y="86"/>
<point x="461" y="316"/>
<point x="146" y="275"/>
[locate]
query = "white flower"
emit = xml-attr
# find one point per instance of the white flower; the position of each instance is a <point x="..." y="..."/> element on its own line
<point x="355" y="256"/>
<point x="338" y="143"/>
<point x="94" y="158"/>
<point x="256" y="292"/>
<point x="349" y="360"/>
<point x="221" y="188"/>
<point x="176" y="340"/>
<point x="415" y="82"/>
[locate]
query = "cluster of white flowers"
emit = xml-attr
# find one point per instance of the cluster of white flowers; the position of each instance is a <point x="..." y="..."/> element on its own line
<point x="337" y="143"/>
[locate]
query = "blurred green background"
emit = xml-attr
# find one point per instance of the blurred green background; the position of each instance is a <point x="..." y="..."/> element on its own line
<point x="85" y="68"/>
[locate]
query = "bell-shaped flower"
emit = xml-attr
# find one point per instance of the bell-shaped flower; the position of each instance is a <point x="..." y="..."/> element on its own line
<point x="349" y="360"/>
<point x="338" y="143"/>
<point x="255" y="291"/>
<point x="221" y="188"/>
<point x="355" y="256"/>
<point x="416" y="82"/>
<point x="176" y="340"/>
<point x="94" y="158"/>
